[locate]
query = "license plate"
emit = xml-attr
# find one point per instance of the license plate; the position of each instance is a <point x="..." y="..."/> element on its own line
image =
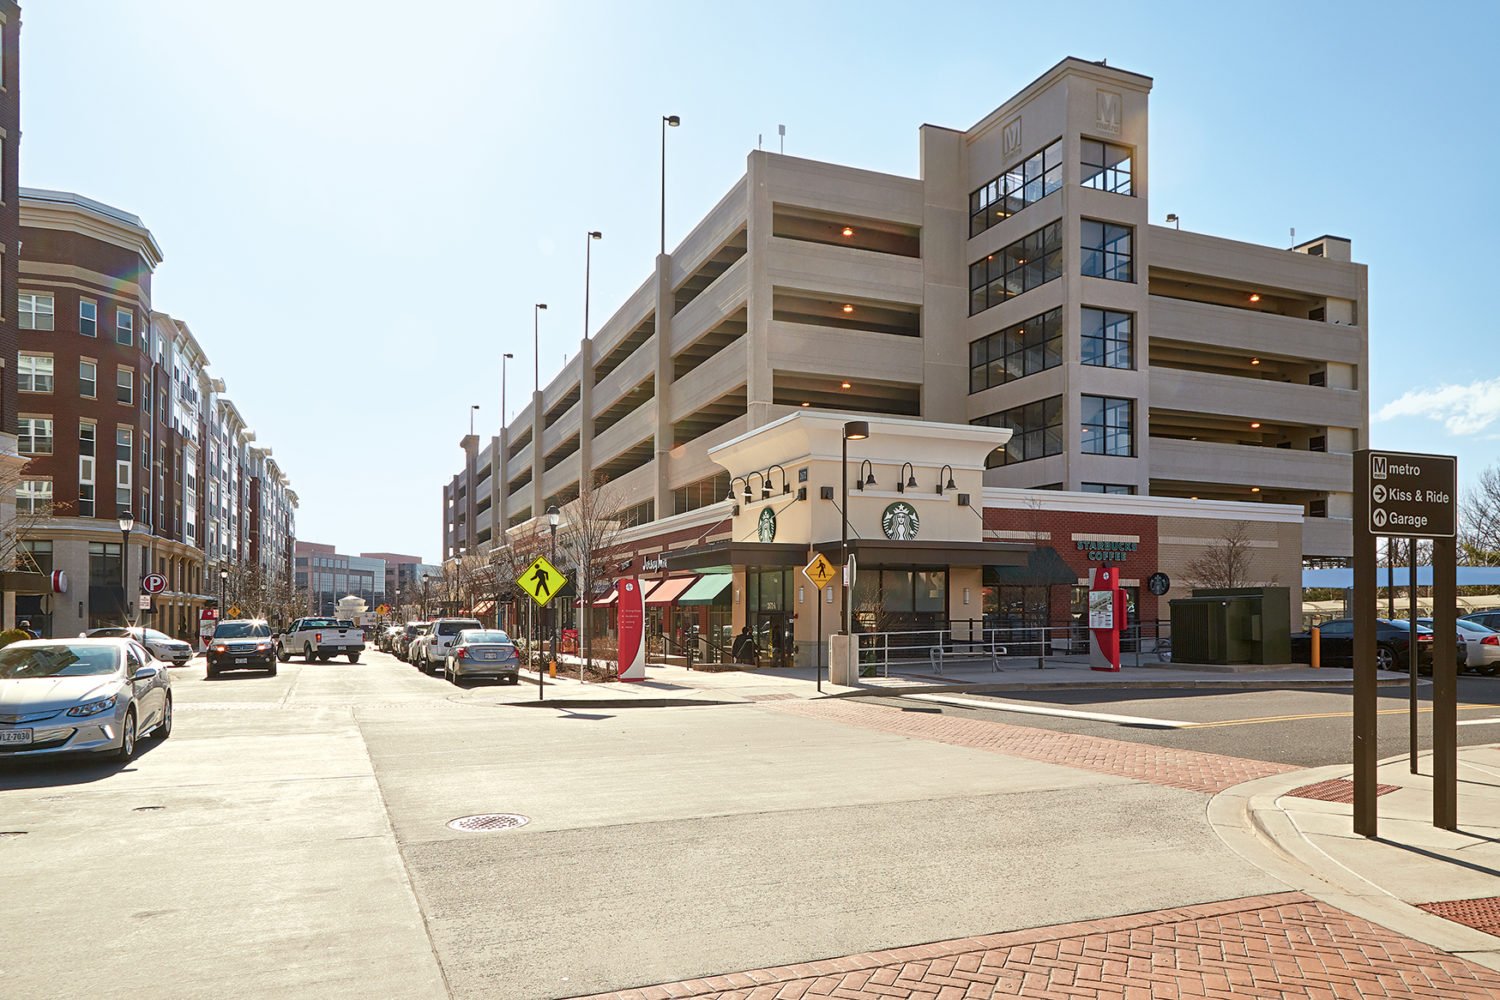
<point x="15" y="736"/>
<point x="241" y="659"/>
<point x="487" y="656"/>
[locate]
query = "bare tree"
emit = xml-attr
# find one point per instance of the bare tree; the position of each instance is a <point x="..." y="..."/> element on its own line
<point x="1479" y="521"/>
<point x="589" y="539"/>
<point x="19" y="524"/>
<point x="1225" y="564"/>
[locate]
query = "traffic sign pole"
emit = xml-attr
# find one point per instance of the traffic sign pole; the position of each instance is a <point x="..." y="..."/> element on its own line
<point x="1365" y="814"/>
<point x="821" y="572"/>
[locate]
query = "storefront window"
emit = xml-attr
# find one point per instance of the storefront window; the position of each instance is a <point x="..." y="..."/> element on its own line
<point x="900" y="600"/>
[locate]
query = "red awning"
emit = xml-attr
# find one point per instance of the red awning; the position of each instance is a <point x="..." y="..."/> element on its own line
<point x="614" y="593"/>
<point x="670" y="589"/>
<point x="483" y="607"/>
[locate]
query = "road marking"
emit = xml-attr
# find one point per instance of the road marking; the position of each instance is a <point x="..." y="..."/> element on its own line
<point x="1478" y="722"/>
<point x="1062" y="713"/>
<point x="1421" y="710"/>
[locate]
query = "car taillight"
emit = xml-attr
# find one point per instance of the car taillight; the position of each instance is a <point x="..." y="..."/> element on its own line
<point x="461" y="653"/>
<point x="1424" y="638"/>
<point x="1490" y="640"/>
<point x="317" y="637"/>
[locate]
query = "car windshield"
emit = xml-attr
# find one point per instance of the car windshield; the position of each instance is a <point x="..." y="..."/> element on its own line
<point x="1405" y="626"/>
<point x="57" y="660"/>
<point x="156" y="636"/>
<point x="1469" y="626"/>
<point x="319" y="623"/>
<point x="453" y="628"/>
<point x="475" y="638"/>
<point x="242" y="630"/>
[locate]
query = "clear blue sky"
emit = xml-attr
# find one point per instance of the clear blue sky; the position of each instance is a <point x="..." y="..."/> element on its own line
<point x="359" y="202"/>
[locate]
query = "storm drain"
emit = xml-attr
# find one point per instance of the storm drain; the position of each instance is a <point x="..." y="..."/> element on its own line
<point x="1480" y="914"/>
<point x="488" y="822"/>
<point x="1337" y="790"/>
<point x="13" y="833"/>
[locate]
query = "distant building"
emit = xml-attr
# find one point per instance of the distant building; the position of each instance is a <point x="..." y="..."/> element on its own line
<point x="403" y="573"/>
<point x="330" y="576"/>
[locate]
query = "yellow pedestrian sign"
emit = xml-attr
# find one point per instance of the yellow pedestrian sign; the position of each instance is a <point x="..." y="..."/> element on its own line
<point x="542" y="581"/>
<point x="820" y="571"/>
<point x="234" y="611"/>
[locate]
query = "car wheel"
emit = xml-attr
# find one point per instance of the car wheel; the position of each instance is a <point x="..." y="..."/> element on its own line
<point x="213" y="671"/>
<point x="271" y="670"/>
<point x="126" y="752"/>
<point x="307" y="652"/>
<point x="282" y="655"/>
<point x="1385" y="658"/>
<point x="164" y="728"/>
<point x="353" y="657"/>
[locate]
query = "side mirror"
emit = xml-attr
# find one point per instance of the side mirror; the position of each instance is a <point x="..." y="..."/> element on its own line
<point x="144" y="673"/>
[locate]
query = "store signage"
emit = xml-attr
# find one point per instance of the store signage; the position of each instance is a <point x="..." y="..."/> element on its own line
<point x="651" y="564"/>
<point x="765" y="527"/>
<point x="632" y="619"/>
<point x="153" y="583"/>
<point x="1412" y="495"/>
<point x="900" y="522"/>
<point x="1158" y="583"/>
<point x="1107" y="551"/>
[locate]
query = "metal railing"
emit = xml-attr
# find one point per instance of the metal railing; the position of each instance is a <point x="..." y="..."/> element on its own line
<point x="1140" y="643"/>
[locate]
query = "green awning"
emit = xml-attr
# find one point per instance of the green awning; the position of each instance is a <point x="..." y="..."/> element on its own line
<point x="706" y="590"/>
<point x="1045" y="566"/>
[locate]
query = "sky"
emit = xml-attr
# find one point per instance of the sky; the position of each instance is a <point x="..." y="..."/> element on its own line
<point x="360" y="202"/>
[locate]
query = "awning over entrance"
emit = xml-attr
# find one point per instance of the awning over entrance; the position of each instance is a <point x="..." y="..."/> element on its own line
<point x="483" y="606"/>
<point x="706" y="590"/>
<point x="608" y="599"/>
<point x="1044" y="567"/>
<point x="670" y="589"/>
<point x="723" y="556"/>
<point x="879" y="552"/>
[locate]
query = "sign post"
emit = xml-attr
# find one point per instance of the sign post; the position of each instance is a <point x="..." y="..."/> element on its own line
<point x="821" y="572"/>
<point x="1397" y="493"/>
<point x="541" y="581"/>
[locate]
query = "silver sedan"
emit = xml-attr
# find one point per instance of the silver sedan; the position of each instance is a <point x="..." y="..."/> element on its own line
<point x="482" y="653"/>
<point x="81" y="695"/>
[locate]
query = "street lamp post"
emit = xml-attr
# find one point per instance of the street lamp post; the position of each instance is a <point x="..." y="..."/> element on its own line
<point x="397" y="616"/>
<point x="536" y="345"/>
<point x="223" y="586"/>
<point x="504" y="414"/>
<point x="854" y="430"/>
<point x="553" y="515"/>
<point x="588" y="261"/>
<point x="472" y="408"/>
<point x="127" y="523"/>
<point x="673" y="121"/>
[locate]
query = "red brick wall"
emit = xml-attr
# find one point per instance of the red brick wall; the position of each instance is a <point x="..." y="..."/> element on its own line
<point x="1063" y="525"/>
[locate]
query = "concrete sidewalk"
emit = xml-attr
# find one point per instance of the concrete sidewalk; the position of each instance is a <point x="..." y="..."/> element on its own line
<point x="1412" y="878"/>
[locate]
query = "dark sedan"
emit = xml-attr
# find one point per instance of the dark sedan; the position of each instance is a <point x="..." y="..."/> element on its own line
<point x="1392" y="645"/>
<point x="241" y="645"/>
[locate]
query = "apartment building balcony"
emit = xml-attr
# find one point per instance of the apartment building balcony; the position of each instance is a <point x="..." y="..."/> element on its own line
<point x="1248" y="465"/>
<point x="818" y="268"/>
<point x="1253" y="333"/>
<point x="1255" y="399"/>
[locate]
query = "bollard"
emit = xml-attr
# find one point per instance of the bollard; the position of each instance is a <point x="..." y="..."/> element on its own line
<point x="552" y="668"/>
<point x="1317" y="652"/>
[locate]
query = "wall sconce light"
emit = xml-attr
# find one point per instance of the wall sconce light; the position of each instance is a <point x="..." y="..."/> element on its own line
<point x="801" y="595"/>
<point x="951" y="485"/>
<point x="910" y="480"/>
<point x="966" y="596"/>
<point x="866" y="475"/>
<point x="827" y="595"/>
<point x="786" y="486"/>
<point x="736" y="595"/>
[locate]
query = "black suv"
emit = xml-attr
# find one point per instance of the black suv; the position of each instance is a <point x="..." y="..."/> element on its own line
<point x="241" y="645"/>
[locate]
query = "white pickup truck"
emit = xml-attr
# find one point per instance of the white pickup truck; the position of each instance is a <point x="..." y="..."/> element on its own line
<point x="320" y="639"/>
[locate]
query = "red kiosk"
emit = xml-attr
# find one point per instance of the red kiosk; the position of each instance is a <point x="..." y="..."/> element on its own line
<point x="1106" y="617"/>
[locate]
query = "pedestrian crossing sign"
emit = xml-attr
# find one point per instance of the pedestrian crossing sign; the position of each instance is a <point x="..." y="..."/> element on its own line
<point x="820" y="571"/>
<point x="541" y="581"/>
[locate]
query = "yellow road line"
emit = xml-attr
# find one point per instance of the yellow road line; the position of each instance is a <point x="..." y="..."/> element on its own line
<point x="1322" y="715"/>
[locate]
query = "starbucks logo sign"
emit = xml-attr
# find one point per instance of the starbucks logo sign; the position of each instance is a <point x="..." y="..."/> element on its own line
<point x="900" y="521"/>
<point x="765" y="528"/>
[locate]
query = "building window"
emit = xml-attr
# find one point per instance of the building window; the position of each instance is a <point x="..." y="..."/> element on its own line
<point x="87" y="442"/>
<point x="1026" y="183"/>
<point x="1037" y="431"/>
<point x="34" y="373"/>
<point x="1106" y="167"/>
<point x="1107" y="426"/>
<point x="1031" y="346"/>
<point x="124" y="385"/>
<point x="1119" y="489"/>
<point x="1107" y="251"/>
<point x="1108" y="338"/>
<point x="37" y="555"/>
<point x="124" y="327"/>
<point x="703" y="493"/>
<point x="104" y="563"/>
<point x="1033" y="260"/>
<point x="88" y="379"/>
<point x="34" y="311"/>
<point x="35" y="435"/>
<point x="33" y="496"/>
<point x="1318" y="507"/>
<point x="88" y="317"/>
<point x="124" y="452"/>
<point x="1318" y="442"/>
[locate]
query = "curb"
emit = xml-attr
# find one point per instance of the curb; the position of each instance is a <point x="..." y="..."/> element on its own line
<point x="1249" y="822"/>
<point x="566" y="703"/>
<point x="1149" y="685"/>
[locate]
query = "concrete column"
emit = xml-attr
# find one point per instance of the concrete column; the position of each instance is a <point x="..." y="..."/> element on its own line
<point x="759" y="386"/>
<point x="665" y="307"/>
<point x="537" y="458"/>
<point x="586" y="412"/>
<point x="945" y="276"/>
<point x="502" y="481"/>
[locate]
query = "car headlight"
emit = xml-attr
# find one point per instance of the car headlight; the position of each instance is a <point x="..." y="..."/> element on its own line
<point x="93" y="707"/>
<point x="262" y="646"/>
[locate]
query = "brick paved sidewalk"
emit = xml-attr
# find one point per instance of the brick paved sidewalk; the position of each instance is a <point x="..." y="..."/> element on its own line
<point x="1282" y="946"/>
<point x="1198" y="772"/>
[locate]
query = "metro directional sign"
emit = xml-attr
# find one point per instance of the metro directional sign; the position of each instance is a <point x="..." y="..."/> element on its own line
<point x="1412" y="496"/>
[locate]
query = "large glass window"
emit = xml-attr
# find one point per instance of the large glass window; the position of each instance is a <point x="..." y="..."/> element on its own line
<point x="1119" y="489"/>
<point x="1107" y="426"/>
<point x="1108" y="338"/>
<point x="124" y="385"/>
<point x="702" y="493"/>
<point x="88" y="317"/>
<point x="33" y="373"/>
<point x="1037" y="431"/>
<point x="37" y="555"/>
<point x="104" y="564"/>
<point x="1106" y="167"/>
<point x="1107" y="250"/>
<point x="88" y="379"/>
<point x="1033" y="260"/>
<point x="34" y="311"/>
<point x="124" y="327"/>
<point x="890" y="600"/>
<point x="1031" y="346"/>
<point x="124" y="451"/>
<point x="87" y="457"/>
<point x="33" y="496"/>
<point x="34" y="435"/>
<point x="1027" y="182"/>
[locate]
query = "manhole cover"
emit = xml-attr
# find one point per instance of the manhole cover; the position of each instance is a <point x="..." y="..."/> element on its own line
<point x="1480" y="914"/>
<point x="1337" y="790"/>
<point x="488" y="822"/>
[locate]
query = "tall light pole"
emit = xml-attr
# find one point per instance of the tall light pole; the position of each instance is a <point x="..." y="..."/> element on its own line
<point x="536" y="344"/>
<point x="223" y="586"/>
<point x="553" y="515"/>
<point x="472" y="408"/>
<point x="127" y="522"/>
<point x="673" y="121"/>
<point x="504" y="413"/>
<point x="854" y="430"/>
<point x="588" y="260"/>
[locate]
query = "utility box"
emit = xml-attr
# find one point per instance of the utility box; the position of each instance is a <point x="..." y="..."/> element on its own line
<point x="1239" y="625"/>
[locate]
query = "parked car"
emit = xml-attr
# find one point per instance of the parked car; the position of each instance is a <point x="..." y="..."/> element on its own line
<point x="81" y="695"/>
<point x="159" y="644"/>
<point x="1489" y="619"/>
<point x="401" y="645"/>
<point x="1392" y="642"/>
<point x="481" y="652"/>
<point x="434" y="652"/>
<point x="1483" y="646"/>
<point x="387" y="639"/>
<point x="245" y="644"/>
<point x="320" y="639"/>
<point x="418" y="635"/>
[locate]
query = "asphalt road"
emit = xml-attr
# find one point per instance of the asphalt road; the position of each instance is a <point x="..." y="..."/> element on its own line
<point x="1304" y="727"/>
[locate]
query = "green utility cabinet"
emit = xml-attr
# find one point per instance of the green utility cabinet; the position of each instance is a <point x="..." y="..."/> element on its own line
<point x="1240" y="625"/>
